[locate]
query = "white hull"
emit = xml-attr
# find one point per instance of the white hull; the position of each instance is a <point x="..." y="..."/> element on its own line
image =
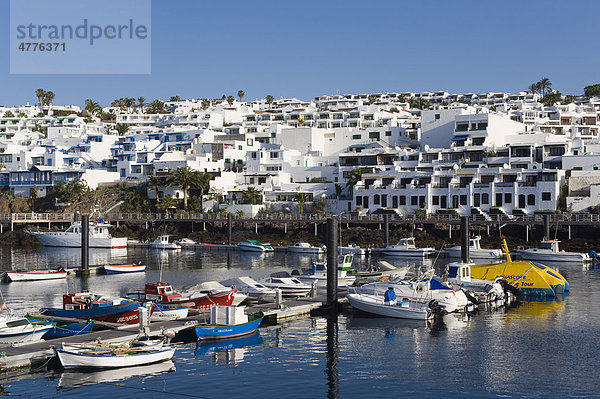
<point x="171" y="246"/>
<point x="246" y="247"/>
<point x="291" y="290"/>
<point x="322" y="280"/>
<point x="454" y="252"/>
<point x="169" y="314"/>
<point x="238" y="298"/>
<point x="114" y="269"/>
<point x="550" y="256"/>
<point x="35" y="276"/>
<point x="63" y="239"/>
<point x="352" y="250"/>
<point x="70" y="359"/>
<point x="408" y="253"/>
<point x="375" y="305"/>
<point x="307" y="251"/>
<point x="22" y="335"/>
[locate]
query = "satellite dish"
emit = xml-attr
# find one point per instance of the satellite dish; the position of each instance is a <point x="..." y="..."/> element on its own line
<point x="426" y="147"/>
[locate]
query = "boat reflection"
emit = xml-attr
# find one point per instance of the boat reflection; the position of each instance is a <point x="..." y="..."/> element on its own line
<point x="229" y="351"/>
<point x="73" y="379"/>
<point x="388" y="324"/>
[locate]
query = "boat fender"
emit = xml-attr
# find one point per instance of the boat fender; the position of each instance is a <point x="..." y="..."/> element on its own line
<point x="471" y="298"/>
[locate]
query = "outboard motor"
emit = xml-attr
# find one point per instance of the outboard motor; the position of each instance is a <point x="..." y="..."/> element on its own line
<point x="508" y="287"/>
<point x="436" y="309"/>
<point x="471" y="298"/>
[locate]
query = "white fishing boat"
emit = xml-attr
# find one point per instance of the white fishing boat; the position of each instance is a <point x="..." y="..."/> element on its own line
<point x="17" y="330"/>
<point x="214" y="287"/>
<point x="288" y="284"/>
<point x="475" y="250"/>
<point x="352" y="249"/>
<point x="318" y="273"/>
<point x="423" y="290"/>
<point x="406" y="247"/>
<point x="548" y="251"/>
<point x="164" y="242"/>
<point x="306" y="248"/>
<point x="375" y="304"/>
<point x="36" y="275"/>
<point x="117" y="269"/>
<point x="102" y="356"/>
<point x="483" y="291"/>
<point x="254" y="246"/>
<point x="250" y="287"/>
<point x="99" y="236"/>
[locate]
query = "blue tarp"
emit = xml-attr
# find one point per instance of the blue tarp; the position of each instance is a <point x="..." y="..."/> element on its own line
<point x="437" y="285"/>
<point x="459" y="138"/>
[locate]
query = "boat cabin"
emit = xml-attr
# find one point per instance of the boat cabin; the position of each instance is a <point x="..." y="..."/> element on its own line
<point x="459" y="272"/>
<point x="407" y="242"/>
<point x="474" y="242"/>
<point x="551" y="245"/>
<point x="162" y="292"/>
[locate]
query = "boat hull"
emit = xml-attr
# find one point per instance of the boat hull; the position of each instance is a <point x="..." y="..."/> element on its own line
<point x="68" y="330"/>
<point x="126" y="313"/>
<point x="549" y="256"/>
<point x="306" y="251"/>
<point x="322" y="281"/>
<point x="169" y="314"/>
<point x="454" y="252"/>
<point x="407" y="253"/>
<point x="371" y="304"/>
<point x="224" y="298"/>
<point x="31" y="333"/>
<point x="214" y="332"/>
<point x="35" y="276"/>
<point x="117" y="269"/>
<point x="70" y="359"/>
<point x="63" y="239"/>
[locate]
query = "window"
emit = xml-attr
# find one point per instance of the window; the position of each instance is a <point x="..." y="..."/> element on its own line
<point x="435" y="200"/>
<point x="384" y="200"/>
<point x="414" y="200"/>
<point x="249" y="142"/>
<point x="274" y="155"/>
<point x="376" y="199"/>
<point x="358" y="200"/>
<point x="476" y="199"/>
<point x="374" y="135"/>
<point x="366" y="201"/>
<point x="531" y="199"/>
<point x="463" y="199"/>
<point x="508" y="198"/>
<point x="546" y="196"/>
<point x="498" y="199"/>
<point x="356" y="137"/>
<point x="403" y="200"/>
<point x="395" y="201"/>
<point x="239" y="147"/>
<point x="437" y="116"/>
<point x="388" y="133"/>
<point x="485" y="198"/>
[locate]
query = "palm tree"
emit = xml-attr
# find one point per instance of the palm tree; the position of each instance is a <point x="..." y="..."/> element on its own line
<point x="40" y="94"/>
<point x="269" y="99"/>
<point x="155" y="182"/>
<point x="48" y="98"/>
<point x="302" y="198"/>
<point x="230" y="100"/>
<point x="545" y="85"/>
<point x="167" y="202"/>
<point x="241" y="94"/>
<point x="203" y="184"/>
<point x="141" y="101"/>
<point x="92" y="107"/>
<point x="252" y="196"/>
<point x="533" y="88"/>
<point x="205" y="103"/>
<point x="300" y="121"/>
<point x="122" y="128"/>
<point x="372" y="98"/>
<point x="355" y="177"/>
<point x="185" y="178"/>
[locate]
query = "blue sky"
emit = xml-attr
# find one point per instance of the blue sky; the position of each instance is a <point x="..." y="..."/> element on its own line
<point x="309" y="48"/>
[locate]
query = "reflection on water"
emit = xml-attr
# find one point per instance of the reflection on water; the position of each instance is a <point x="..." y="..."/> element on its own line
<point x="542" y="349"/>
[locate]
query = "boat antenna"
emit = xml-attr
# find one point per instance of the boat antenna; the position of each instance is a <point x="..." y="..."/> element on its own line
<point x="439" y="252"/>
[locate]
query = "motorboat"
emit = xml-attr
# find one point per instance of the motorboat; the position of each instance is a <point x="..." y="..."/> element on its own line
<point x="352" y="249"/>
<point x="186" y="242"/>
<point x="214" y="287"/>
<point x="483" y="291"/>
<point x="164" y="242"/>
<point x="250" y="287"/>
<point x="423" y="290"/>
<point x="164" y="295"/>
<point x="36" y="275"/>
<point x="17" y="330"/>
<point x="99" y="236"/>
<point x="254" y="246"/>
<point x="532" y="278"/>
<point x="475" y="250"/>
<point x="306" y="248"/>
<point x="548" y="251"/>
<point x="86" y="305"/>
<point x="116" y="269"/>
<point x="288" y="284"/>
<point x="60" y="330"/>
<point x="318" y="273"/>
<point x="103" y="356"/>
<point x="228" y="322"/>
<point x="375" y="304"/>
<point x="379" y="270"/>
<point x="161" y="313"/>
<point x="406" y="247"/>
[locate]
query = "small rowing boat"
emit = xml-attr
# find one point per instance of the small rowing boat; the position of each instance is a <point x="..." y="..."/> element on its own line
<point x="36" y="275"/>
<point x="117" y="269"/>
<point x="228" y="322"/>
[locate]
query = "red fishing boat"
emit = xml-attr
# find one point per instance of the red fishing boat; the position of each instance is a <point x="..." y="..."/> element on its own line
<point x="164" y="295"/>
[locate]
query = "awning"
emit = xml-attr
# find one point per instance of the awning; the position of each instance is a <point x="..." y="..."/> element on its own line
<point x="459" y="138"/>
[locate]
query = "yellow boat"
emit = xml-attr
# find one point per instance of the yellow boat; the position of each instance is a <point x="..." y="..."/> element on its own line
<point x="533" y="279"/>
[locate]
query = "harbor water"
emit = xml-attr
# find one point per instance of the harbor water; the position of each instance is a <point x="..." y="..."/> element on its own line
<point x="535" y="349"/>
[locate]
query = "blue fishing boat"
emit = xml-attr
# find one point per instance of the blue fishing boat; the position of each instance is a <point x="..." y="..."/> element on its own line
<point x="69" y="329"/>
<point x="228" y="322"/>
<point x="91" y="306"/>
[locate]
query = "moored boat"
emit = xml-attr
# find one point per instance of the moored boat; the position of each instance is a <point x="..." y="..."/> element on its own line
<point x="164" y="242"/>
<point x="86" y="305"/>
<point x="406" y="247"/>
<point x="475" y="250"/>
<point x="214" y="287"/>
<point x="164" y="295"/>
<point x="288" y="284"/>
<point x="254" y="246"/>
<point x="60" y="330"/>
<point x="352" y="249"/>
<point x="250" y="287"/>
<point x="116" y="269"/>
<point x="36" y="275"/>
<point x="548" y="250"/>
<point x="318" y="272"/>
<point x="16" y="330"/>
<point x="376" y="304"/>
<point x="99" y="236"/>
<point x="228" y="322"/>
<point x="100" y="356"/>
<point x="305" y="248"/>
<point x="161" y="313"/>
